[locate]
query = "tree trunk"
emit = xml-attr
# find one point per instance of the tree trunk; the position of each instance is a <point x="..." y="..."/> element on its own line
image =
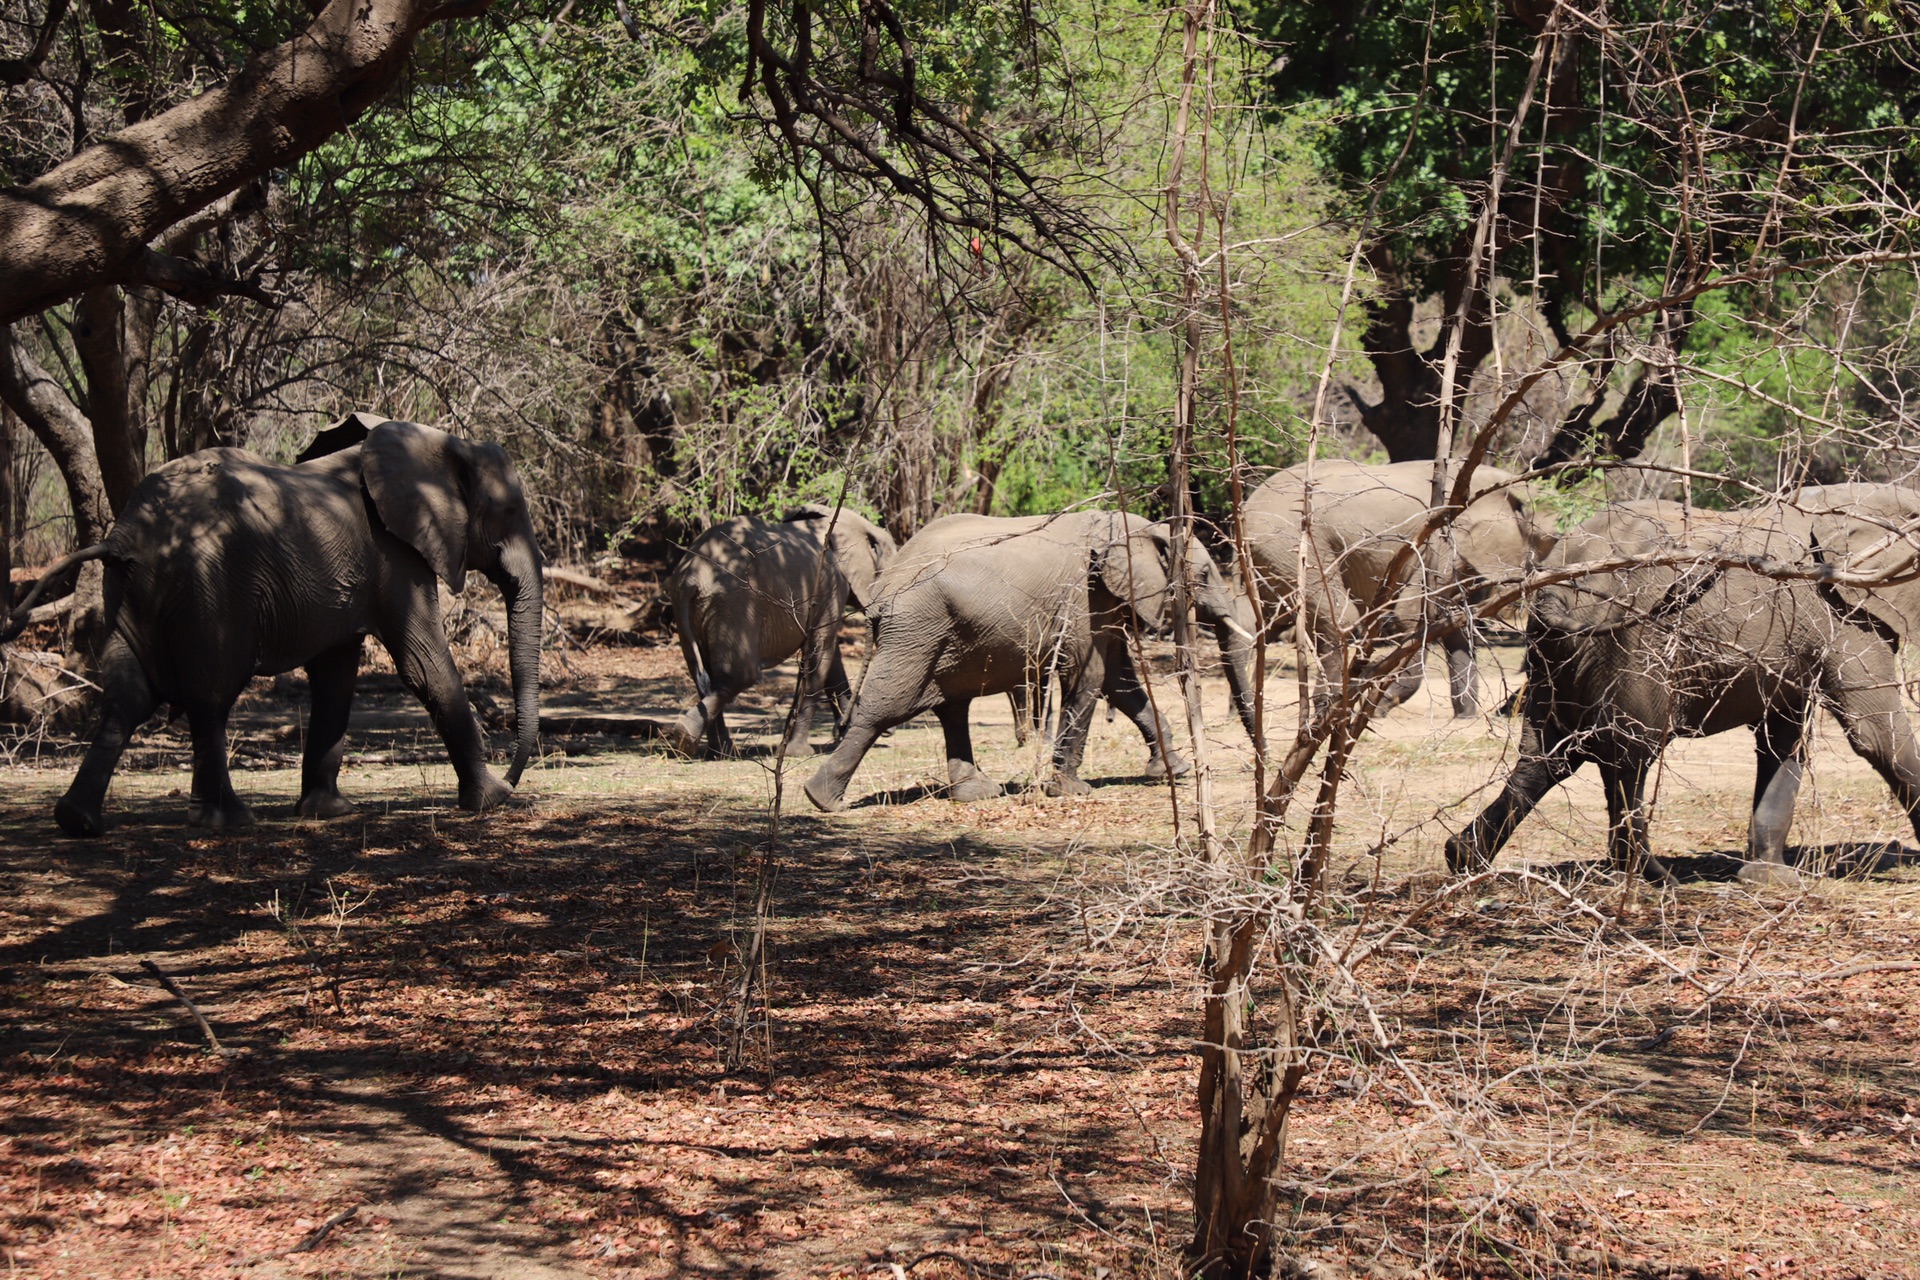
<point x="100" y="338"/>
<point x="89" y="221"/>
<point x="6" y="509"/>
<point x="38" y="400"/>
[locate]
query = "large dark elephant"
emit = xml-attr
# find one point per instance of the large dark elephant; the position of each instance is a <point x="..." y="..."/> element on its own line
<point x="1362" y="517"/>
<point x="977" y="605"/>
<point x="750" y="593"/>
<point x="224" y="566"/>
<point x="1621" y="662"/>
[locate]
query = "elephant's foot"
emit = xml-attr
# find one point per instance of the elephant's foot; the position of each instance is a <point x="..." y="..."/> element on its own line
<point x="1759" y="872"/>
<point x="76" y="819"/>
<point x="484" y="793"/>
<point x="826" y="797"/>
<point x="798" y="748"/>
<point x="976" y="786"/>
<point x="1067" y="784"/>
<point x="682" y="740"/>
<point x="1463" y="858"/>
<point x="323" y="804"/>
<point x="224" y="815"/>
<point x="1158" y="767"/>
<point x="1466" y="711"/>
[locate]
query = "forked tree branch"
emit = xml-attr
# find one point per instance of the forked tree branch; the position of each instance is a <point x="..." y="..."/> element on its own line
<point x="90" y="220"/>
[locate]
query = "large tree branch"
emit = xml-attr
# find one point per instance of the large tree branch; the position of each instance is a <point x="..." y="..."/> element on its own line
<point x="89" y="221"/>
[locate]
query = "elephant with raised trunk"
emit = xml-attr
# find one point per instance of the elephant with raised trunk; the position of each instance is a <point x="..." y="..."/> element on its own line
<point x="750" y="593"/>
<point x="1727" y="620"/>
<point x="978" y="605"/>
<point x="1361" y="518"/>
<point x="224" y="566"/>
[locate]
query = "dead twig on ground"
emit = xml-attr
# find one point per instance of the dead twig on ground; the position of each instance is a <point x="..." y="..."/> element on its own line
<point x="321" y="1232"/>
<point x="174" y="990"/>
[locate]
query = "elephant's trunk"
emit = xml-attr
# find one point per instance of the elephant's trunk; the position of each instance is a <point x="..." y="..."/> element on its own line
<point x="521" y="583"/>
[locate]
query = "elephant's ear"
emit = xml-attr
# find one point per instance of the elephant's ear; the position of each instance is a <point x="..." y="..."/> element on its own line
<point x="1134" y="569"/>
<point x="876" y="549"/>
<point x="341" y="436"/>
<point x="1493" y="535"/>
<point x="806" y="511"/>
<point x="417" y="478"/>
<point x="1863" y="534"/>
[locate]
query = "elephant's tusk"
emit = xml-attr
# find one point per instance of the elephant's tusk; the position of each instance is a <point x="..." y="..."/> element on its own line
<point x="1239" y="630"/>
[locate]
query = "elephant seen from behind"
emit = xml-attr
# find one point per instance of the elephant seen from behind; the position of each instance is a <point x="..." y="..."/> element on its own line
<point x="749" y="593"/>
<point x="1361" y="518"/>
<point x="978" y="605"/>
<point x="1708" y="621"/>
<point x="224" y="566"/>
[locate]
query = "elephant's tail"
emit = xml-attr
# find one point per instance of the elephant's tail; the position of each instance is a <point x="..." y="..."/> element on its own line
<point x="22" y="613"/>
<point x="696" y="666"/>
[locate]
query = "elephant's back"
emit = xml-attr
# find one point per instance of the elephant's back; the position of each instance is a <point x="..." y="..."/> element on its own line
<point x="748" y="577"/>
<point x="981" y="551"/>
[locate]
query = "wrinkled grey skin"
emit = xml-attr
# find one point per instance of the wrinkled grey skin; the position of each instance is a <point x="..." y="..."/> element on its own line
<point x="1619" y="663"/>
<point x="978" y="605"/>
<point x="225" y="566"/>
<point x="1362" y="516"/>
<point x="750" y="593"/>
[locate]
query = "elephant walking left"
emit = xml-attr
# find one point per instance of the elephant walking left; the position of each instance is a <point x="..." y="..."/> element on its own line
<point x="224" y="566"/>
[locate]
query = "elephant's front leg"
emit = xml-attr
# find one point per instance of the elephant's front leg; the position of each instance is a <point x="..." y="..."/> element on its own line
<point x="213" y="802"/>
<point x="427" y="669"/>
<point x="965" y="781"/>
<point x="1079" y="695"/>
<point x="330" y="681"/>
<point x="1779" y="765"/>
<point x="1628" y="847"/>
<point x="1863" y="692"/>
<point x="126" y="702"/>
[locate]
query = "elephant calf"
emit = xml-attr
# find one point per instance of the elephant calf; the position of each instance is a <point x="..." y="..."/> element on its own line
<point x="1361" y="518"/>
<point x="1622" y="660"/>
<point x="977" y="605"/>
<point x="224" y="566"/>
<point x="749" y="593"/>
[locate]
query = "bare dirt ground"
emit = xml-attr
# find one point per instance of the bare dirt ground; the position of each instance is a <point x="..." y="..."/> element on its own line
<point x="492" y="1039"/>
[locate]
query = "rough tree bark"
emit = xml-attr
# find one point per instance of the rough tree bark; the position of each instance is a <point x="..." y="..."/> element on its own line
<point x="89" y="221"/>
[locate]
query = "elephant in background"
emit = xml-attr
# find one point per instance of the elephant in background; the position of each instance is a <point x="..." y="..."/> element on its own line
<point x="224" y="566"/>
<point x="1621" y="662"/>
<point x="751" y="592"/>
<point x="978" y="605"/>
<point x="1362" y="516"/>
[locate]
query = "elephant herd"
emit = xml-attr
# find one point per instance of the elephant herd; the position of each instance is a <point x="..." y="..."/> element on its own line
<point x="1647" y="622"/>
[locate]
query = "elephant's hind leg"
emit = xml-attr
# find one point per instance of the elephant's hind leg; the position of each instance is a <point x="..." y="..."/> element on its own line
<point x="966" y="782"/>
<point x="1126" y="694"/>
<point x="213" y="802"/>
<point x="1779" y="763"/>
<point x="126" y="702"/>
<point x="1863" y="692"/>
<point x="827" y="788"/>
<point x="330" y="679"/>
<point x="1529" y="782"/>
